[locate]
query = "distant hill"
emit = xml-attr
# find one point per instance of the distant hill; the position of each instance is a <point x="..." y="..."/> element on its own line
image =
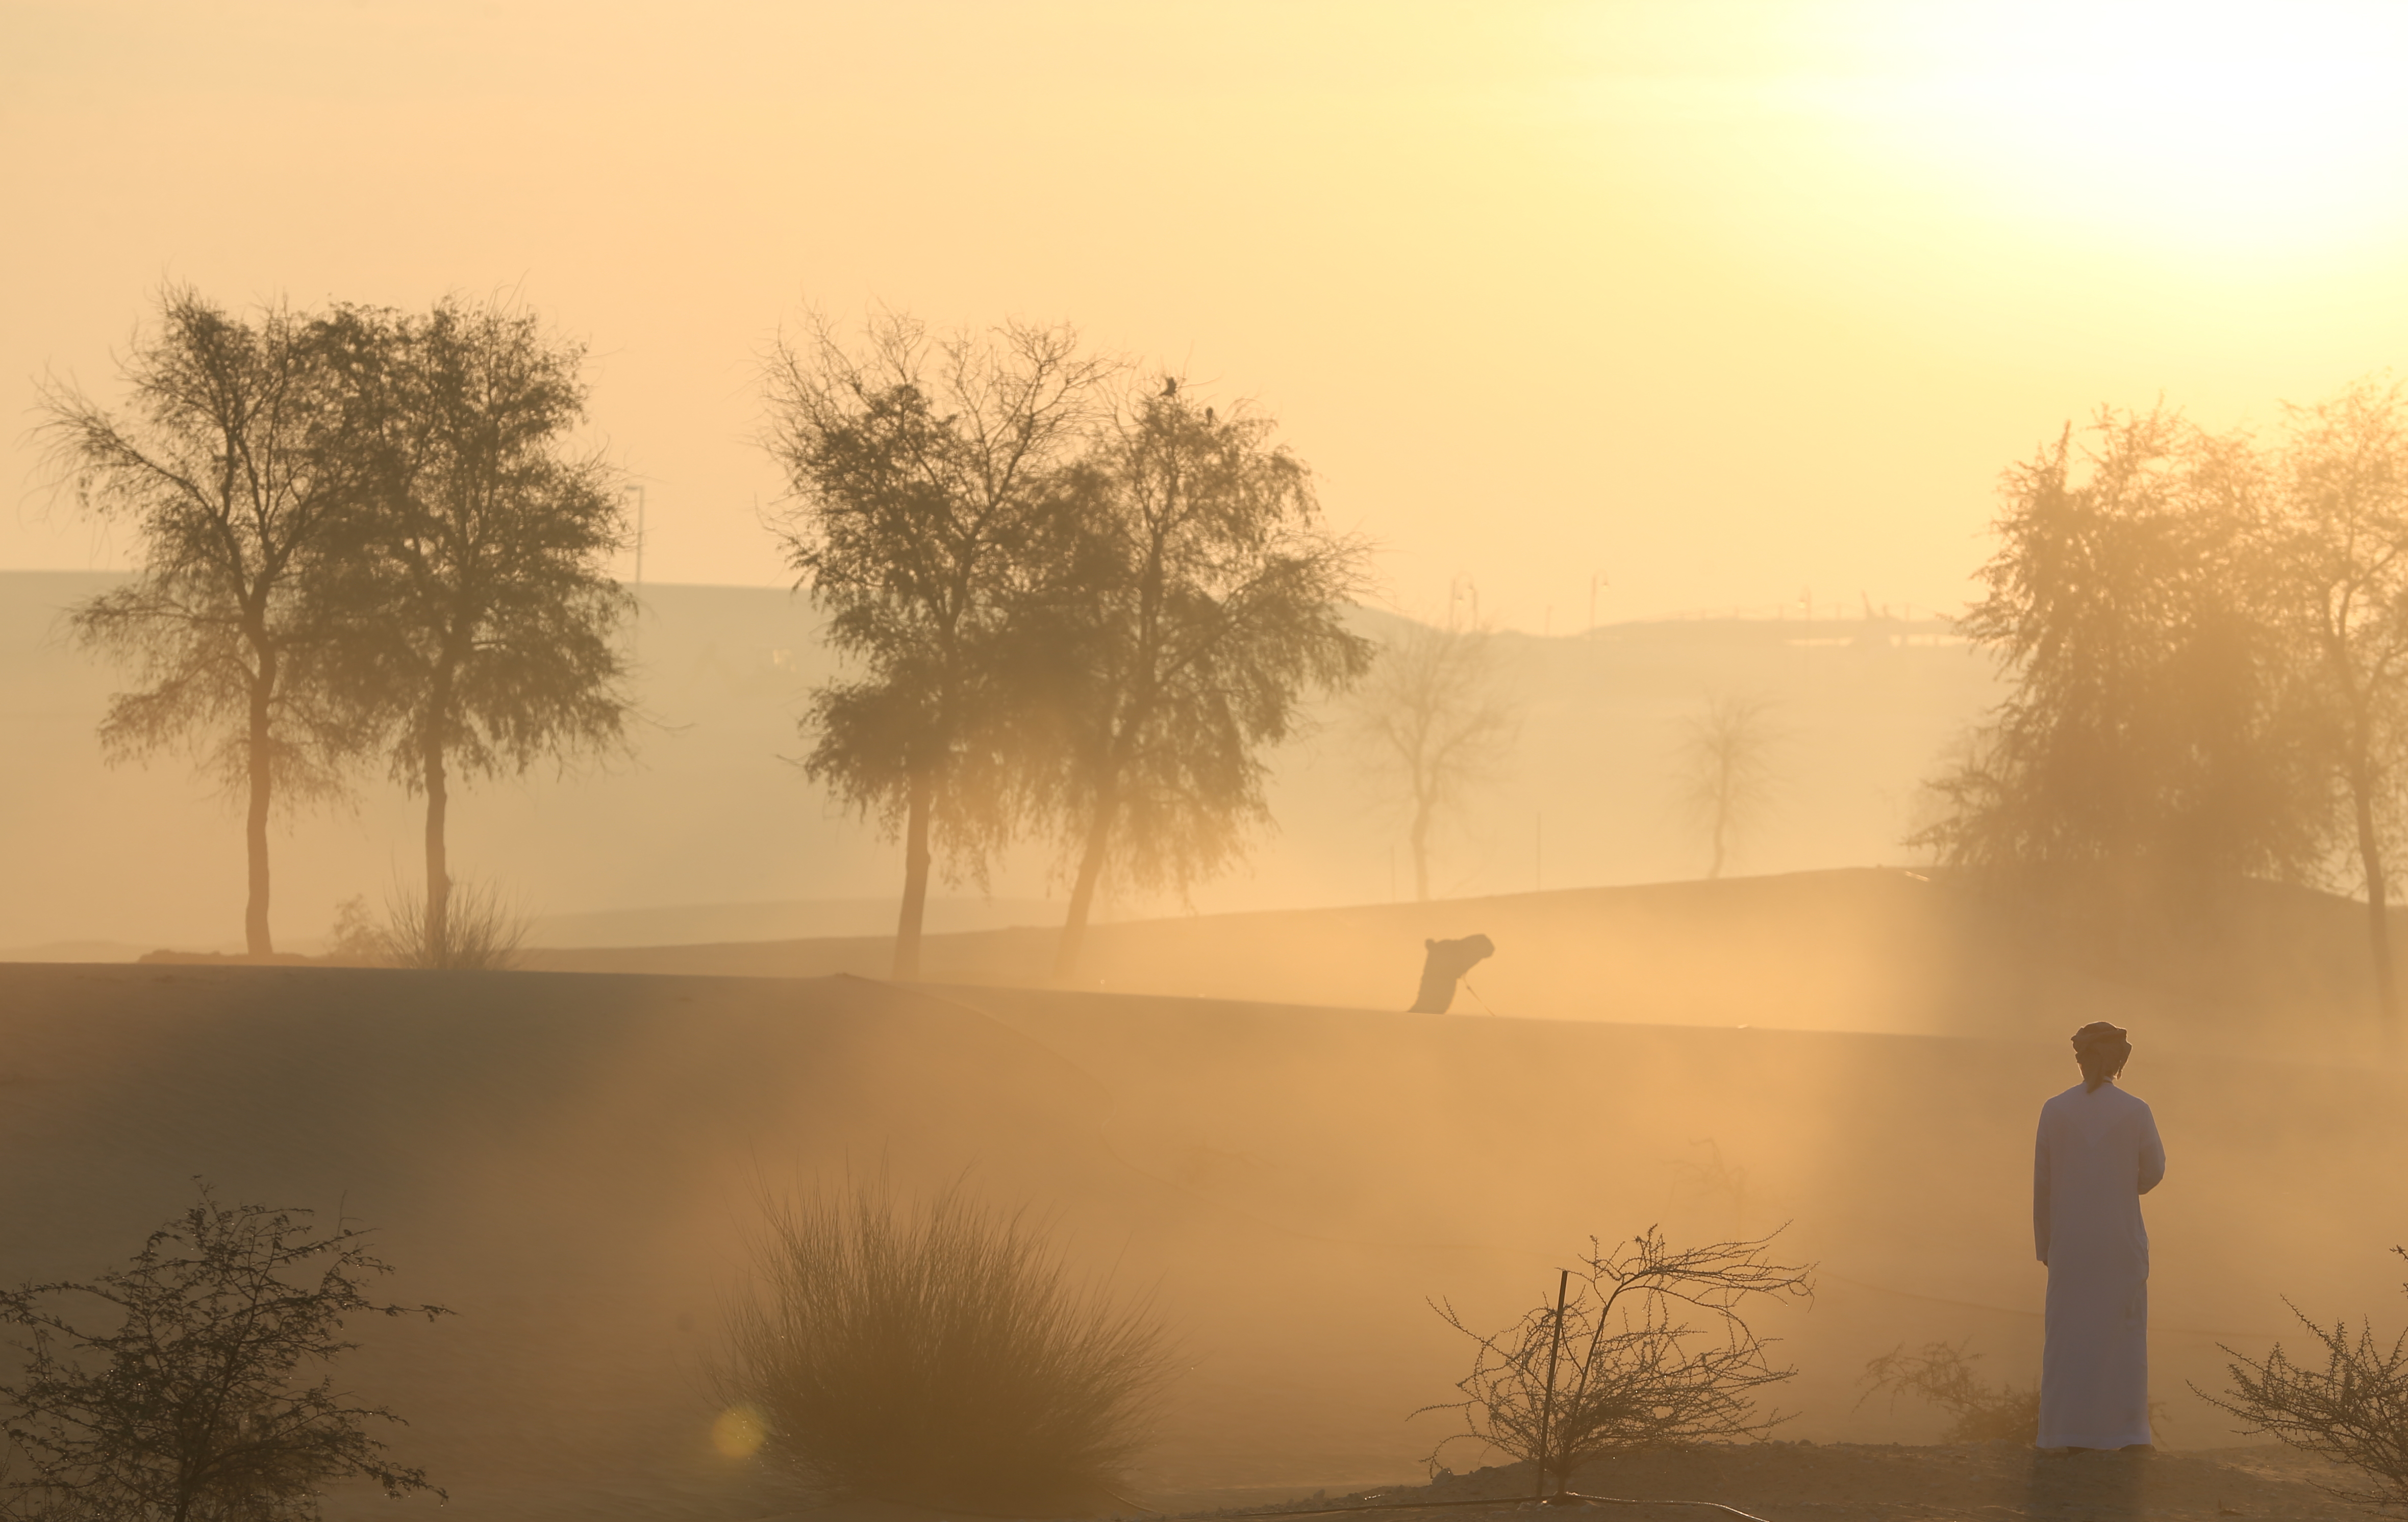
<point x="2245" y="966"/>
<point x="707" y="829"/>
<point x="796" y="918"/>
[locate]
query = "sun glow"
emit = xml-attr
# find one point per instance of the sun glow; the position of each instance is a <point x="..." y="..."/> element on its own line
<point x="738" y="1432"/>
<point x="2198" y="125"/>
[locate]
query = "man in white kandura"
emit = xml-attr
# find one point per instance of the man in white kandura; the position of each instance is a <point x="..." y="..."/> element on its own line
<point x="2098" y="1154"/>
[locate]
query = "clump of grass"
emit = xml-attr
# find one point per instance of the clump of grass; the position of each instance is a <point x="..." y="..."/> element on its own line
<point x="937" y="1351"/>
<point x="1942" y="1374"/>
<point x="482" y="930"/>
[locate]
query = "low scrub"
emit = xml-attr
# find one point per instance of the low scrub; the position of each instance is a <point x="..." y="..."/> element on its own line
<point x="1942" y="1374"/>
<point x="178" y="1386"/>
<point x="1644" y="1346"/>
<point x="2353" y="1411"/>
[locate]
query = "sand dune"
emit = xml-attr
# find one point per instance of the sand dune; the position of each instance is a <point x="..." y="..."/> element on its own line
<point x="569" y="1161"/>
<point x="1867" y="949"/>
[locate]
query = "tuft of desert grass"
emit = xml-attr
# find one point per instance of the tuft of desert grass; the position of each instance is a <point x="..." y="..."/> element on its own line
<point x="482" y="930"/>
<point x="935" y="1350"/>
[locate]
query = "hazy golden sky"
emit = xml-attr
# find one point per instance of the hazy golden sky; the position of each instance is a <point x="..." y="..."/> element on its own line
<point x="1723" y="302"/>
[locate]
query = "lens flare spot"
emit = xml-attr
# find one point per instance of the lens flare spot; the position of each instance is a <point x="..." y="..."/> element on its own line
<point x="738" y="1432"/>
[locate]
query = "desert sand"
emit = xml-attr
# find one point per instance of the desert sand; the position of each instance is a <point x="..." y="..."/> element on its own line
<point x="572" y="1161"/>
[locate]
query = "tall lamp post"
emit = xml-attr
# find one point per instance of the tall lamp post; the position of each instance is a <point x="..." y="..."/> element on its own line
<point x="634" y="623"/>
<point x="636" y="491"/>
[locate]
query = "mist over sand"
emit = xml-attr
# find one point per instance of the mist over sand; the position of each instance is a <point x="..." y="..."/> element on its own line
<point x="572" y="1162"/>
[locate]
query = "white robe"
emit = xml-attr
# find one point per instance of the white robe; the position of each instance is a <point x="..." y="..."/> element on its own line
<point x="2098" y="1153"/>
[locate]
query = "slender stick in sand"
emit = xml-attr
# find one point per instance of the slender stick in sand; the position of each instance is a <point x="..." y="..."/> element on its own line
<point x="1547" y="1410"/>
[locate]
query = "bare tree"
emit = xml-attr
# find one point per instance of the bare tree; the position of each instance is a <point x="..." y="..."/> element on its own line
<point x="229" y="467"/>
<point x="2353" y="1411"/>
<point x="1617" y="1364"/>
<point x="928" y="480"/>
<point x="476" y="581"/>
<point x="1210" y="600"/>
<point x="1727" y="765"/>
<point x="1440" y="724"/>
<point x="189" y="1408"/>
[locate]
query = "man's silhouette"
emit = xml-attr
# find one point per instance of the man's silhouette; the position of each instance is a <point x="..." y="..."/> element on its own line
<point x="2098" y="1153"/>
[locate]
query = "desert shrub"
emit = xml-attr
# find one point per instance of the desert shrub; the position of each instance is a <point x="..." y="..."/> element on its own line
<point x="936" y="1351"/>
<point x="1645" y="1348"/>
<point x="482" y="930"/>
<point x="193" y="1408"/>
<point x="2353" y="1411"/>
<point x="1942" y="1374"/>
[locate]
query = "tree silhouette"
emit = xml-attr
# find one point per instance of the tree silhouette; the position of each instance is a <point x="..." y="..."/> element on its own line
<point x="930" y="482"/>
<point x="474" y="581"/>
<point x="1209" y="601"/>
<point x="2155" y="728"/>
<point x="2340" y="529"/>
<point x="1439" y="723"/>
<point x="190" y="1408"/>
<point x="1727" y="758"/>
<point x="231" y="466"/>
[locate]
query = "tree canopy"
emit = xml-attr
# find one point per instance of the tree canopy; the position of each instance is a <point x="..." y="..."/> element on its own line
<point x="2155" y="725"/>
<point x="234" y="462"/>
<point x="932" y="488"/>
<point x="480" y="617"/>
<point x="2207" y="642"/>
<point x="1210" y="600"/>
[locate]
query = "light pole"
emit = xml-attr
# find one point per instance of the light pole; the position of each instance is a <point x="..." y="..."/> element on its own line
<point x="636" y="620"/>
<point x="1595" y="579"/>
<point x="637" y="490"/>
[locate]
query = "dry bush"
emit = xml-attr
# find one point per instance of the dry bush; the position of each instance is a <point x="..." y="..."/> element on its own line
<point x="2353" y="1411"/>
<point x="195" y="1402"/>
<point x="1942" y="1374"/>
<point x="1649" y="1350"/>
<point x="936" y="1352"/>
<point x="482" y="930"/>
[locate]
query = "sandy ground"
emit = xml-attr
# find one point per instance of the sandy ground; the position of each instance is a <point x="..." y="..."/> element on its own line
<point x="1899" y="951"/>
<point x="572" y="1161"/>
<point x="1787" y="1482"/>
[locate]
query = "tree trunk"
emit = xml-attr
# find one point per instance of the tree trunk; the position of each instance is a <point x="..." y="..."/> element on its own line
<point x="1083" y="892"/>
<point x="915" y="879"/>
<point x="2378" y="910"/>
<point x="1722" y="829"/>
<point x="1421" y="851"/>
<point x="259" y="758"/>
<point x="437" y="950"/>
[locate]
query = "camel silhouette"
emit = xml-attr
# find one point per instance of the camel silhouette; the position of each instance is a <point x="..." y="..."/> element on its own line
<point x="1448" y="961"/>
